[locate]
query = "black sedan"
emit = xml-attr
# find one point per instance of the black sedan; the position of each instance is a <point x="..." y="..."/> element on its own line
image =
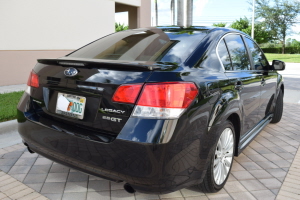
<point x="159" y="109"/>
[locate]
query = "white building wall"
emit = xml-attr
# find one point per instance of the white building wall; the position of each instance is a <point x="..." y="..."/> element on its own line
<point x="33" y="29"/>
<point x="136" y="3"/>
<point x="54" y="24"/>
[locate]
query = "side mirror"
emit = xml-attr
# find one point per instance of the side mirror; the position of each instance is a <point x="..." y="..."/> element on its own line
<point x="278" y="65"/>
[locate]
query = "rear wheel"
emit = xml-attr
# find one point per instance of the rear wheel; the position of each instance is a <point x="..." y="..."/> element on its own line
<point x="278" y="108"/>
<point x="221" y="161"/>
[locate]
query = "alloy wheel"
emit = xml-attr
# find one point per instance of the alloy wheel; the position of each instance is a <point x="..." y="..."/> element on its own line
<point x="223" y="156"/>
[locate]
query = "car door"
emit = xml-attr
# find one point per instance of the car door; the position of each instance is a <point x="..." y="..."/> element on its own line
<point x="245" y="82"/>
<point x="268" y="78"/>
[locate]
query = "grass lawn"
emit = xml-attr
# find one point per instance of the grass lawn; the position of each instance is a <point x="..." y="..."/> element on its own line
<point x="8" y="105"/>
<point x="292" y="58"/>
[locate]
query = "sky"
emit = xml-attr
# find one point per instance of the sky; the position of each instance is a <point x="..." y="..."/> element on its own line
<point x="205" y="13"/>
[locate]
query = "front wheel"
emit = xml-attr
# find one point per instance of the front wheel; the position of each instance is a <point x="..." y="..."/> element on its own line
<point x="221" y="161"/>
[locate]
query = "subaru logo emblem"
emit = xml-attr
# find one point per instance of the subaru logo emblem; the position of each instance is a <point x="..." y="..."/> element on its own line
<point x="71" y="71"/>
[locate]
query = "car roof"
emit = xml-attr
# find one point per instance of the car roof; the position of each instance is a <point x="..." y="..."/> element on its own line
<point x="203" y="29"/>
<point x="178" y="28"/>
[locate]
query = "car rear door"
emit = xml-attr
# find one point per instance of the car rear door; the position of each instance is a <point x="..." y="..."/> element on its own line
<point x="246" y="82"/>
<point x="268" y="78"/>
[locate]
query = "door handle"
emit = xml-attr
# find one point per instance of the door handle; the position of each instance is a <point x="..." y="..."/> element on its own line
<point x="239" y="85"/>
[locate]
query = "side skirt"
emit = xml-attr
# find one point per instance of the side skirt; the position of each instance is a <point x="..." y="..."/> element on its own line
<point x="248" y="137"/>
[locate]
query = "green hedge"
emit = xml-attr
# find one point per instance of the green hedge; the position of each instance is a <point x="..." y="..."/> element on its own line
<point x="288" y="50"/>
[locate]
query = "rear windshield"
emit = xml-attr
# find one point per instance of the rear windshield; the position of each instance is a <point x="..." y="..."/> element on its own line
<point x="147" y="45"/>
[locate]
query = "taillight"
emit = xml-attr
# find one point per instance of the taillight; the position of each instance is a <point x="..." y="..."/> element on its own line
<point x="165" y="100"/>
<point x="168" y="95"/>
<point x="127" y="93"/>
<point x="33" y="80"/>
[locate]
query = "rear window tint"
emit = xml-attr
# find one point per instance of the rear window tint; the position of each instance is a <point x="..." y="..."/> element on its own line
<point x="238" y="53"/>
<point x="259" y="60"/>
<point x="224" y="56"/>
<point x="148" y="45"/>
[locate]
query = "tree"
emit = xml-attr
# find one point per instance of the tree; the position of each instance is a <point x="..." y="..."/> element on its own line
<point x="156" y="13"/>
<point x="172" y="7"/>
<point x="292" y="42"/>
<point x="220" y="24"/>
<point x="261" y="34"/>
<point x="241" y="24"/>
<point x="278" y="16"/>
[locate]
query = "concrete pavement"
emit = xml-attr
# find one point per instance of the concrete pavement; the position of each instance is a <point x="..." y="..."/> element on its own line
<point x="291" y="82"/>
<point x="8" y="130"/>
<point x="12" y="88"/>
<point x="9" y="134"/>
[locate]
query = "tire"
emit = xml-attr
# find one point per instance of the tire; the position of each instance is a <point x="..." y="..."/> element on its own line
<point x="278" y="108"/>
<point x="212" y="182"/>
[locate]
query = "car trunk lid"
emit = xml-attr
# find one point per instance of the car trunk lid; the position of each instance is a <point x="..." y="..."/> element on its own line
<point x="94" y="85"/>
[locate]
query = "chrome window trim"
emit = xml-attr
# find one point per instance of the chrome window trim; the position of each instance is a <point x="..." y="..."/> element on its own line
<point x="217" y="47"/>
<point x="228" y="51"/>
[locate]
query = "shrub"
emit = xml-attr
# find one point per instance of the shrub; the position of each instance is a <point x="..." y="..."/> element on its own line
<point x="120" y="27"/>
<point x="288" y="50"/>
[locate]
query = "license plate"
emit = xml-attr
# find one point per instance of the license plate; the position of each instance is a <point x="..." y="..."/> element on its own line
<point x="70" y="105"/>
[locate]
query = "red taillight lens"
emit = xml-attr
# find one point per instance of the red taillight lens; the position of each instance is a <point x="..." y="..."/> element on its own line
<point x="127" y="93"/>
<point x="168" y="95"/>
<point x="33" y="80"/>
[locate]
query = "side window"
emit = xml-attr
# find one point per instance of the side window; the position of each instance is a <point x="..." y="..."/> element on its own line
<point x="259" y="60"/>
<point x="224" y="56"/>
<point x="238" y="52"/>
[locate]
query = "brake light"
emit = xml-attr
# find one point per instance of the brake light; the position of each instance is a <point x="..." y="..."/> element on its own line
<point x="33" y="80"/>
<point x="168" y="95"/>
<point x="165" y="100"/>
<point x="127" y="93"/>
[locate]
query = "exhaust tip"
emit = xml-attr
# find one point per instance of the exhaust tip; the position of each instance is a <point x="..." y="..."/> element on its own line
<point x="30" y="151"/>
<point x="129" y="188"/>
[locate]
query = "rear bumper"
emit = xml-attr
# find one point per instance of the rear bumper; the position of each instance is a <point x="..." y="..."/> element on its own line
<point x="150" y="168"/>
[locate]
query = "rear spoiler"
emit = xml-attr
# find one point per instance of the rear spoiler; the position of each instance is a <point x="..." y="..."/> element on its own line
<point x="101" y="64"/>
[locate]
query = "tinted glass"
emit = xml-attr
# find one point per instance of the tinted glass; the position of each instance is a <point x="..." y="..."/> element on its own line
<point x="148" y="45"/>
<point x="238" y="52"/>
<point x="224" y="56"/>
<point x="258" y="57"/>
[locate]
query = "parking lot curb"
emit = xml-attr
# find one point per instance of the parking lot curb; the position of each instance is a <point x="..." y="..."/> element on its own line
<point x="8" y="126"/>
